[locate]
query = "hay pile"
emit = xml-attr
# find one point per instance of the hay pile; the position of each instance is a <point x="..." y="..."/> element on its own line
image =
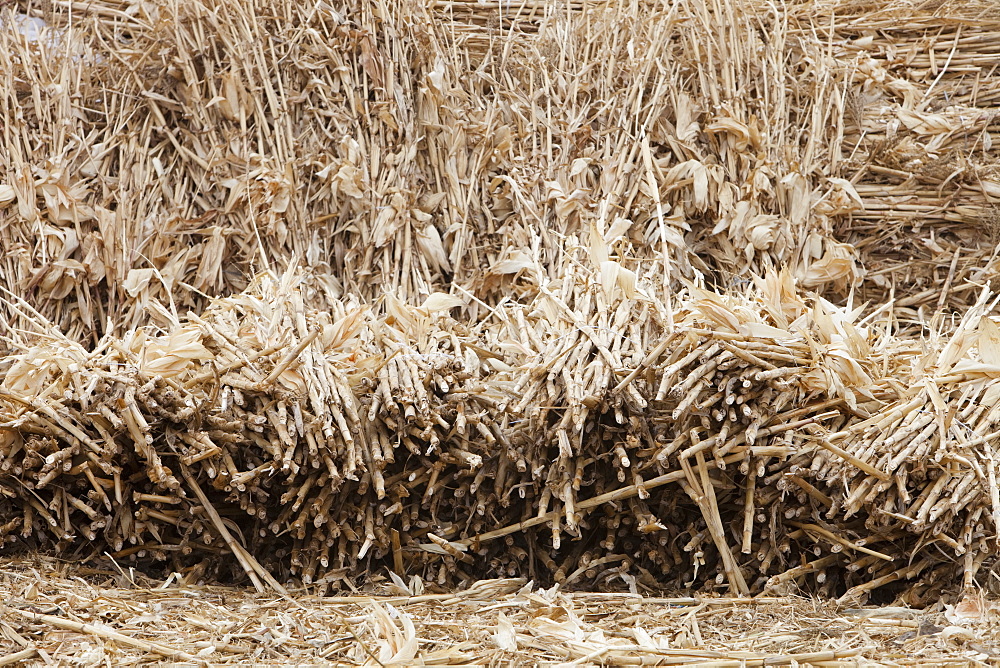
<point x="606" y="295"/>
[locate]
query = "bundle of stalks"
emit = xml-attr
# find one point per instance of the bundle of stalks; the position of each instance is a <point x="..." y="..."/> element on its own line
<point x="725" y="398"/>
<point x="260" y="399"/>
<point x="551" y="441"/>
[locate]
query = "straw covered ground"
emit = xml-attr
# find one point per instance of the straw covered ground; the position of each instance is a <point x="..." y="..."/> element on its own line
<point x="616" y="296"/>
<point x="68" y="615"/>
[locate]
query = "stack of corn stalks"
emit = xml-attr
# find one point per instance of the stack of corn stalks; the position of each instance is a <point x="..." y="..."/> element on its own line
<point x="811" y="449"/>
<point x="540" y="297"/>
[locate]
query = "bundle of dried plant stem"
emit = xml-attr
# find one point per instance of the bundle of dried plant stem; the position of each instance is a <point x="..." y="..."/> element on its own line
<point x="571" y="291"/>
<point x="798" y="444"/>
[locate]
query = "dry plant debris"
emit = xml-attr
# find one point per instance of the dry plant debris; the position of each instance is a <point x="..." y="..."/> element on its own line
<point x="55" y="613"/>
<point x="628" y="296"/>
